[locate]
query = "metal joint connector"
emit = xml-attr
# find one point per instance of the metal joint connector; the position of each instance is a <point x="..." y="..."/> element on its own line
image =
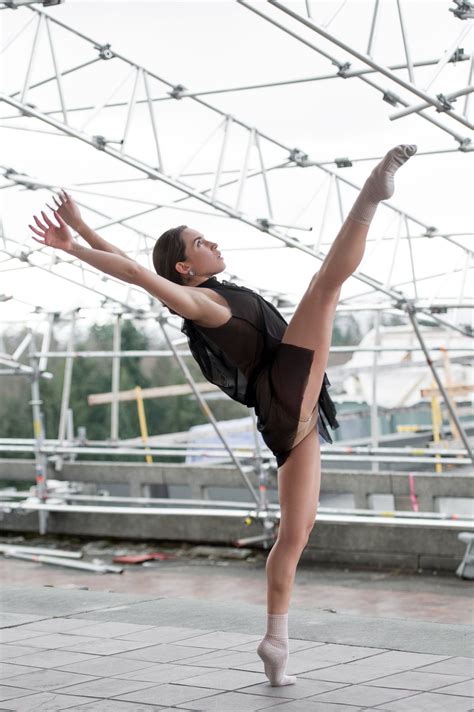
<point x="298" y="157"/>
<point x="430" y="231"/>
<point x="390" y="98"/>
<point x="105" y="52"/>
<point x="343" y="162"/>
<point x="458" y="55"/>
<point x="446" y="104"/>
<point x="177" y="91"/>
<point x="466" y="145"/>
<point x="99" y="142"/>
<point x="264" y="224"/>
<point x="343" y="69"/>
<point x="464" y="10"/>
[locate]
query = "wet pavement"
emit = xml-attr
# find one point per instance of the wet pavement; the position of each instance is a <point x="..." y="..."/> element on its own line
<point x="188" y="641"/>
<point x="426" y="596"/>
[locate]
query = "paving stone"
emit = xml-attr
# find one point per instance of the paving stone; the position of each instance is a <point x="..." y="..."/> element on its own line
<point x="429" y="702"/>
<point x="47" y="679"/>
<point x="10" y="670"/>
<point x="364" y="695"/>
<point x="110" y="629"/>
<point x="105" y="646"/>
<point x="116" y="706"/>
<point x="57" y="625"/>
<point x="225" y="679"/>
<point x="105" y="687"/>
<point x="460" y="688"/>
<point x="220" y="639"/>
<point x="452" y="666"/>
<point x="166" y="695"/>
<point x="46" y="702"/>
<point x="345" y="653"/>
<point x="12" y="635"/>
<point x="232" y="702"/>
<point x="57" y="640"/>
<point x="9" y="692"/>
<point x="302" y="689"/>
<point x="8" y="651"/>
<point x="311" y="706"/>
<point x="163" y="653"/>
<point x="227" y="659"/>
<point x="165" y="672"/>
<point x="10" y="619"/>
<point x="416" y="680"/>
<point x="52" y="658"/>
<point x="369" y="669"/>
<point x="107" y="666"/>
<point x="165" y="634"/>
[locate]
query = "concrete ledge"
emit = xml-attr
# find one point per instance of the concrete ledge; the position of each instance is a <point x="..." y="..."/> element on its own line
<point x="199" y="478"/>
<point x="377" y="545"/>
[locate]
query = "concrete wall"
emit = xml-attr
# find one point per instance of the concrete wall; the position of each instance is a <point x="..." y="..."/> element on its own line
<point x="140" y="476"/>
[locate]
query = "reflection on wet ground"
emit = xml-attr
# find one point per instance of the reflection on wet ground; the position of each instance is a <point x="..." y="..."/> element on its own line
<point x="423" y="596"/>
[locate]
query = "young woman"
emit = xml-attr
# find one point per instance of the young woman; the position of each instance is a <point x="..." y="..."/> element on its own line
<point x="244" y="346"/>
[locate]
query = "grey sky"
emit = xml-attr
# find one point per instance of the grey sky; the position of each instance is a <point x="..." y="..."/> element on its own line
<point x="222" y="44"/>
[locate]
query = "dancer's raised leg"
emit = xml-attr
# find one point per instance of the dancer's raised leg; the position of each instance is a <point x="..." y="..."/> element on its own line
<point x="348" y="248"/>
<point x="311" y="327"/>
<point x="318" y="305"/>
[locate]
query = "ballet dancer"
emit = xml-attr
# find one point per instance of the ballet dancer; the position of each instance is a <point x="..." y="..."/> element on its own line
<point x="243" y="345"/>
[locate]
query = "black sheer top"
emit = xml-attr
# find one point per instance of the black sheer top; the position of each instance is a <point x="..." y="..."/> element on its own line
<point x="231" y="356"/>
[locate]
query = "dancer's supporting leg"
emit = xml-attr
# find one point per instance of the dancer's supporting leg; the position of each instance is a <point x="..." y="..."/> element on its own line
<point x="299" y="478"/>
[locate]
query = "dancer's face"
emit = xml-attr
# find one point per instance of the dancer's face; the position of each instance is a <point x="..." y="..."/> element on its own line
<point x="202" y="256"/>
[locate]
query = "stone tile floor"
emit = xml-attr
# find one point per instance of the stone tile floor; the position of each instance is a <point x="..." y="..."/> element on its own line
<point x="60" y="653"/>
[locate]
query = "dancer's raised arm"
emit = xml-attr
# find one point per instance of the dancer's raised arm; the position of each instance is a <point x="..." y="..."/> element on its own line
<point x="186" y="301"/>
<point x="68" y="209"/>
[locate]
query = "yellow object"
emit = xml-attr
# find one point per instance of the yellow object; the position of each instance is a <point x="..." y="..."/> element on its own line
<point x="142" y="421"/>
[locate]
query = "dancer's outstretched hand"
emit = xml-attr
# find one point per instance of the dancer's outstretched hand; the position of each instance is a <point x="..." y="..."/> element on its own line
<point x="67" y="209"/>
<point x="52" y="235"/>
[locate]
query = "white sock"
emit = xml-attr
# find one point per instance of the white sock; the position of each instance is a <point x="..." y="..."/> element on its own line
<point x="273" y="650"/>
<point x="380" y="184"/>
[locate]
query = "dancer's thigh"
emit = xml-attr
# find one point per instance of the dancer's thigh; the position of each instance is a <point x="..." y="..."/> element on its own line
<point x="298" y="491"/>
<point x="311" y="327"/>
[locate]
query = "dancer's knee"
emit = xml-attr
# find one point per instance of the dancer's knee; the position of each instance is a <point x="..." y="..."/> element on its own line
<point x="325" y="286"/>
<point x="294" y="540"/>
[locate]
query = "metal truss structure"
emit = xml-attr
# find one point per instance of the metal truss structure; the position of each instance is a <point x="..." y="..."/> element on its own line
<point x="227" y="170"/>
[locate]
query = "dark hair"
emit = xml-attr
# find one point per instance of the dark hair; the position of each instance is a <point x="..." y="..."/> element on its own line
<point x="169" y="249"/>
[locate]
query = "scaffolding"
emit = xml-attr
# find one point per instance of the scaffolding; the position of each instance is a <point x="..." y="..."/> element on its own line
<point x="228" y="170"/>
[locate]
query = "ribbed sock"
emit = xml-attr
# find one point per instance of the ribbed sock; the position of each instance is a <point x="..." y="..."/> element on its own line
<point x="273" y="650"/>
<point x="380" y="184"/>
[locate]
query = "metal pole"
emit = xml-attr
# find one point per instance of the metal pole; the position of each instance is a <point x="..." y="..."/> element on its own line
<point x="39" y="435"/>
<point x="374" y="411"/>
<point x="367" y="60"/>
<point x="68" y="366"/>
<point x="207" y="411"/>
<point x="462" y="140"/>
<point x="411" y="311"/>
<point x="114" y="411"/>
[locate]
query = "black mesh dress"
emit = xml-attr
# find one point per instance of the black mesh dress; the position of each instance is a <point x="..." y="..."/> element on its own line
<point x="246" y="358"/>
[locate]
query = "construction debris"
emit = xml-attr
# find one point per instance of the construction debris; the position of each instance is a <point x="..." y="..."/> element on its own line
<point x="98" y="567"/>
